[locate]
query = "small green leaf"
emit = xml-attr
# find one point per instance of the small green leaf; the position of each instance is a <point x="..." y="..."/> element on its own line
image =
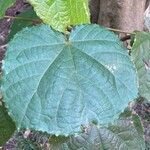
<point x="141" y="56"/>
<point x="127" y="113"/>
<point x="19" y="24"/>
<point x="62" y="13"/>
<point x="4" y="5"/>
<point x="135" y="119"/>
<point x="7" y="126"/>
<point x="58" y="143"/>
<point x="137" y="124"/>
<point x="56" y="85"/>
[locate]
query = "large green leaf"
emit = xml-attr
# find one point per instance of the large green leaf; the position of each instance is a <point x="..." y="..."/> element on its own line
<point x="141" y="57"/>
<point x="62" y="13"/>
<point x="4" y="5"/>
<point x="29" y="19"/>
<point x="7" y="126"/>
<point x="122" y="135"/>
<point x="55" y="84"/>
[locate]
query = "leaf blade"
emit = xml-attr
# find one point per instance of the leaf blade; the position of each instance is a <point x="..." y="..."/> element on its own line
<point x="121" y="135"/>
<point x="7" y="126"/>
<point x="18" y="24"/>
<point x="141" y="56"/>
<point x="60" y="85"/>
<point x="60" y="14"/>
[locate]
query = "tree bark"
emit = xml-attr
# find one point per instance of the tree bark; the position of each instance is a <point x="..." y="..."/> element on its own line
<point x="126" y="15"/>
<point x="94" y="10"/>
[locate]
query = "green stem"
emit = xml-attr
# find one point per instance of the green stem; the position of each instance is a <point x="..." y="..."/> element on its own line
<point x="38" y="20"/>
<point x="120" y="31"/>
<point x="21" y="18"/>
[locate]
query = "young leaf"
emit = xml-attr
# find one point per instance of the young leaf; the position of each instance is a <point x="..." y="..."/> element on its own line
<point x="7" y="126"/>
<point x="141" y="56"/>
<point x="19" y="24"/>
<point x="62" y="13"/>
<point x="56" y="85"/>
<point x="4" y="5"/>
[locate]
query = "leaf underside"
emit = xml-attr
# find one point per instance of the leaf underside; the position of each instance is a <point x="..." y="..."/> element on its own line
<point x="56" y="85"/>
<point x="4" y="5"/>
<point x="62" y="13"/>
<point x="141" y="56"/>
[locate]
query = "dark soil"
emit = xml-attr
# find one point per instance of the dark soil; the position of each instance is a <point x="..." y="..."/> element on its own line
<point x="141" y="108"/>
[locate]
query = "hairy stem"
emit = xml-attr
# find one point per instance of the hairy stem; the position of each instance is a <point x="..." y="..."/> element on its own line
<point x="38" y="20"/>
<point x="21" y="18"/>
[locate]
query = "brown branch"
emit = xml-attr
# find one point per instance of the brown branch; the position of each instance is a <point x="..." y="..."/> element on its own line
<point x="21" y="18"/>
<point x="39" y="21"/>
<point x="120" y="31"/>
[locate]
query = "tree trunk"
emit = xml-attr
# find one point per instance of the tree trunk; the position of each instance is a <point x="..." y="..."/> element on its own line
<point x="94" y="9"/>
<point x="120" y="14"/>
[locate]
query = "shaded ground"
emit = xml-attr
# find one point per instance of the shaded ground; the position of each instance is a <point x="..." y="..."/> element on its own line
<point x="142" y="108"/>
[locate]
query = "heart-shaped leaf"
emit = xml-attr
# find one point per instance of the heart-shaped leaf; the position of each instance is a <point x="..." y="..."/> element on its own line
<point x="56" y="84"/>
<point x="62" y="13"/>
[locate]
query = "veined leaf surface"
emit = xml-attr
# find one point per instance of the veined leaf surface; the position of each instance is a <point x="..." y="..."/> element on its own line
<point x="123" y="134"/>
<point x="62" y="13"/>
<point x="55" y="84"/>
